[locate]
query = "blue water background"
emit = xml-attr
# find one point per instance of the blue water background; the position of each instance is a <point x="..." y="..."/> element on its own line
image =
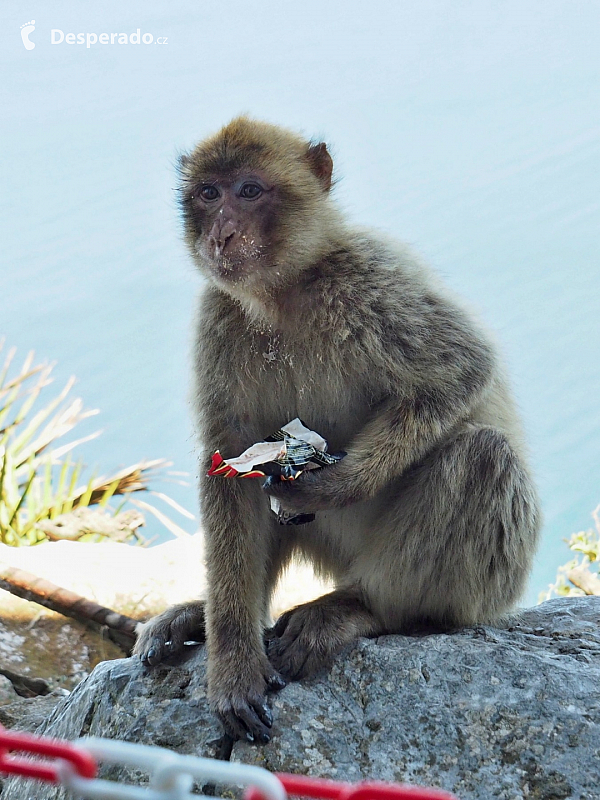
<point x="470" y="129"/>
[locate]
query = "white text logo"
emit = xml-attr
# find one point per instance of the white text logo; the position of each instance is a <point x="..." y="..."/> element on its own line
<point x="26" y="29"/>
<point x="89" y="39"/>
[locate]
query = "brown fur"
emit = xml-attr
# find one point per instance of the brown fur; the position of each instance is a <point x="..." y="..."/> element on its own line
<point x="431" y="520"/>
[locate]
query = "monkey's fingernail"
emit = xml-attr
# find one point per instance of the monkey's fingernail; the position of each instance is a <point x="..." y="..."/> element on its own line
<point x="150" y="654"/>
<point x="264" y="738"/>
<point x="250" y="736"/>
<point x="277" y="682"/>
<point x="267" y="716"/>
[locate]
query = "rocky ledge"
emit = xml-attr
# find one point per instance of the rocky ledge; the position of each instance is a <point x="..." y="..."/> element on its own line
<point x="504" y="712"/>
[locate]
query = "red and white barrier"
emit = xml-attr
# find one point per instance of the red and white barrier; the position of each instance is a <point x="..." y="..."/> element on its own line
<point x="74" y="765"/>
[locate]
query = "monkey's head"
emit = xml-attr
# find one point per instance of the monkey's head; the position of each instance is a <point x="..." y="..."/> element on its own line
<point x="256" y="206"/>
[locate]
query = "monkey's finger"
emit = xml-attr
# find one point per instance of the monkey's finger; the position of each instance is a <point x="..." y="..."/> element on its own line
<point x="284" y="488"/>
<point x="234" y="727"/>
<point x="263" y="712"/>
<point x="242" y="721"/>
<point x="276" y="682"/>
<point x="296" y="495"/>
<point x="256" y="727"/>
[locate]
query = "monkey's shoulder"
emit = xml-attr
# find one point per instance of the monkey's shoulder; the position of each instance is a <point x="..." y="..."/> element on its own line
<point x="380" y="286"/>
<point x="369" y="272"/>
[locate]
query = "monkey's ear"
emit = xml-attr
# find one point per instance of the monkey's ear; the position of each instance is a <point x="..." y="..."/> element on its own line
<point x="321" y="163"/>
<point x="183" y="162"/>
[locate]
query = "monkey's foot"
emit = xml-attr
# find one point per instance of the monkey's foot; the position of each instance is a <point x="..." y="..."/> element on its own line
<point x="166" y="634"/>
<point x="306" y="638"/>
<point x="243" y="711"/>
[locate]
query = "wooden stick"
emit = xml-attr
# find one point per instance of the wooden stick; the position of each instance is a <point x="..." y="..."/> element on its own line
<point x="121" y="629"/>
<point x="82" y="520"/>
<point x="582" y="577"/>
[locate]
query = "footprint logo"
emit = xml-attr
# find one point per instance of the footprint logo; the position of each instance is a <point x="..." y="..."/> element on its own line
<point x="26" y="29"/>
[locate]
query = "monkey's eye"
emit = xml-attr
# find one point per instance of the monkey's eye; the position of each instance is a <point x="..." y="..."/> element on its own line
<point x="209" y="193"/>
<point x="250" y="191"/>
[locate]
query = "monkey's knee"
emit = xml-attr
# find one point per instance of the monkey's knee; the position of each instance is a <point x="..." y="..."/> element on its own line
<point x="495" y="527"/>
<point x="166" y="634"/>
<point x="464" y="529"/>
<point x="498" y="484"/>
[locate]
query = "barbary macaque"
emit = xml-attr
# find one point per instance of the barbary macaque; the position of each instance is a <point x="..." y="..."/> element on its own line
<point x="429" y="522"/>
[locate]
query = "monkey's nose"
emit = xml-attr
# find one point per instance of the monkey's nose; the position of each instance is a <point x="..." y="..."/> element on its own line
<point x="222" y="237"/>
<point x="226" y="240"/>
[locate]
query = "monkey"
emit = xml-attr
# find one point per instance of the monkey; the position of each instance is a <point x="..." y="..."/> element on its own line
<point x="429" y="522"/>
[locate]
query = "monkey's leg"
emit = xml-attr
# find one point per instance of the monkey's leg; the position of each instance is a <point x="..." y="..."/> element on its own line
<point x="307" y="637"/>
<point x="241" y="543"/>
<point x="455" y="544"/>
<point x="165" y="634"/>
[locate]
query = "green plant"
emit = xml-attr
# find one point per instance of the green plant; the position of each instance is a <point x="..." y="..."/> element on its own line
<point x="38" y="478"/>
<point x="581" y="575"/>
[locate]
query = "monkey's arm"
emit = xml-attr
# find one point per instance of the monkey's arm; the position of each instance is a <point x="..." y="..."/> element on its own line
<point x="438" y="387"/>
<point x="237" y="528"/>
<point x="236" y="525"/>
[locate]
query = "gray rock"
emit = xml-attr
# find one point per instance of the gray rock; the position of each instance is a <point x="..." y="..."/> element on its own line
<point x="50" y="647"/>
<point x="509" y="712"/>
<point x="7" y="692"/>
<point x="30" y="713"/>
<point x="121" y="699"/>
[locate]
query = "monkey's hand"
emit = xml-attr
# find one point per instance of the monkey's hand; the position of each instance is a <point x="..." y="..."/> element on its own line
<point x="400" y="433"/>
<point x="318" y="489"/>
<point x="237" y="697"/>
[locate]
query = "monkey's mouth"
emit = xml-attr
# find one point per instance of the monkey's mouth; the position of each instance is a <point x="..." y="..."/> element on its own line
<point x="234" y="263"/>
<point x="224" y="267"/>
<point x="228" y="268"/>
<point x="237" y="266"/>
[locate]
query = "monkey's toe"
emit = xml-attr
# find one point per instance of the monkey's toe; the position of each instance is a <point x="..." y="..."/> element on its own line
<point x="152" y="649"/>
<point x="156" y="651"/>
<point x="165" y="635"/>
<point x="276" y="683"/>
<point x="295" y="659"/>
<point x="247" y="718"/>
<point x="301" y="642"/>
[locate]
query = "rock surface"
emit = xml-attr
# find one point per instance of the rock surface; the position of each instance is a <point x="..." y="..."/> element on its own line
<point x="509" y="712"/>
<point x="136" y="581"/>
<point x="51" y="647"/>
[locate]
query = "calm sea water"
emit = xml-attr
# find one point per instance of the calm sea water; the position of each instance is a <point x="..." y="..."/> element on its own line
<point x="470" y="129"/>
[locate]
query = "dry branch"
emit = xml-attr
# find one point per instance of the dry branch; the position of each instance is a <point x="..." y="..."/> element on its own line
<point x="121" y="629"/>
<point x="85" y="520"/>
<point x="582" y="577"/>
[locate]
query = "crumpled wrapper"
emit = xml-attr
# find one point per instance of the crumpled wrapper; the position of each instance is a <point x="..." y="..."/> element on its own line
<point x="283" y="456"/>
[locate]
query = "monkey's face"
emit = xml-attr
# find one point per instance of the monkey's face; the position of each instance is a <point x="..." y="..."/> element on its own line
<point x="232" y="219"/>
<point x="255" y="206"/>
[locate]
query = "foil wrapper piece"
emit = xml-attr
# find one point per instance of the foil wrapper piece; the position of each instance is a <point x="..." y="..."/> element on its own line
<point x="283" y="456"/>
